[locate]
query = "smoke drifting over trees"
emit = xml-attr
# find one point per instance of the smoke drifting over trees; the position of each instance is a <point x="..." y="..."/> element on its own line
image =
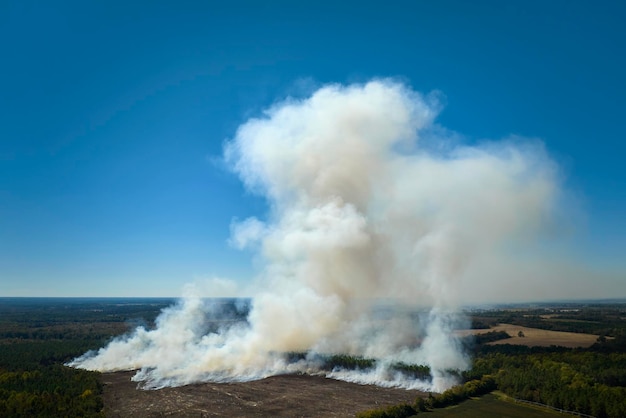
<point x="368" y="209"/>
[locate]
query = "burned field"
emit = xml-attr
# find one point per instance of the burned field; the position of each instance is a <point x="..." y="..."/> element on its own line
<point x="285" y="395"/>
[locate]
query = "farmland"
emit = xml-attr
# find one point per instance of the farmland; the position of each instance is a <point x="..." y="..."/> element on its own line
<point x="531" y="337"/>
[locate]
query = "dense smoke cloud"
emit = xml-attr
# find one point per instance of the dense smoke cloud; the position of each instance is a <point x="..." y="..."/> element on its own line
<point x="362" y="218"/>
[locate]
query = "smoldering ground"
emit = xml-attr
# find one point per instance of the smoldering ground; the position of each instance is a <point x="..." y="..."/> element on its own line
<point x="369" y="206"/>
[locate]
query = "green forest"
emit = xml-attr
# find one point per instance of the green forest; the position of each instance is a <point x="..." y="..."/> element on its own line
<point x="37" y="336"/>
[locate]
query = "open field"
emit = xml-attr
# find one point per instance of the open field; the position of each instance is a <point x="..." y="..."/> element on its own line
<point x="277" y="396"/>
<point x="537" y="337"/>
<point x="490" y="406"/>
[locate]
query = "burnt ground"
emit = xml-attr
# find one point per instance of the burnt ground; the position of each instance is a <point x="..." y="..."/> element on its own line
<point x="277" y="396"/>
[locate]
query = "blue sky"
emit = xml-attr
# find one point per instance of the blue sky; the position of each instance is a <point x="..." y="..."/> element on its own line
<point x="113" y="117"/>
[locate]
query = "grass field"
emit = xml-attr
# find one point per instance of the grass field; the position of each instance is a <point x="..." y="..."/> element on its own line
<point x="544" y="338"/>
<point x="538" y="337"/>
<point x="490" y="406"/>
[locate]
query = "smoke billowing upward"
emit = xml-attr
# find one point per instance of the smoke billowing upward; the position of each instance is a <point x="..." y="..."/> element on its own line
<point x="363" y="217"/>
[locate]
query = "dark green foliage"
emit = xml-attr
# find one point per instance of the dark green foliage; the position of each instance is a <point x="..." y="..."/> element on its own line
<point x="462" y="392"/>
<point x="483" y="323"/>
<point x="52" y="391"/>
<point x="333" y="361"/>
<point x="416" y="371"/>
<point x="450" y="397"/>
<point x="420" y="405"/>
<point x="395" y="411"/>
<point x="579" y="381"/>
<point x="617" y="344"/>
<point x="295" y="356"/>
<point x="38" y="336"/>
<point x="27" y="354"/>
<point x="348" y="362"/>
<point x="487" y="337"/>
<point x="35" y="383"/>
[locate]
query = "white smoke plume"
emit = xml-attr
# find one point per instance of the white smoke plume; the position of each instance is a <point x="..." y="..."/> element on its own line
<point x="371" y="241"/>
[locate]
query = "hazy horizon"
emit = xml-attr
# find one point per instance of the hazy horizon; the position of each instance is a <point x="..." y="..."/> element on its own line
<point x="177" y="298"/>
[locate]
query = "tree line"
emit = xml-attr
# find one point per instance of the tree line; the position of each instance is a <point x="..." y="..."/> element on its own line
<point x="453" y="396"/>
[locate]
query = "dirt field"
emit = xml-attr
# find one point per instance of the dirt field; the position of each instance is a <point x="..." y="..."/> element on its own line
<point x="539" y="337"/>
<point x="278" y="396"/>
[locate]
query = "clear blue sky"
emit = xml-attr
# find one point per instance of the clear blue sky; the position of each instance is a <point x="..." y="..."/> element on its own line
<point x="113" y="114"/>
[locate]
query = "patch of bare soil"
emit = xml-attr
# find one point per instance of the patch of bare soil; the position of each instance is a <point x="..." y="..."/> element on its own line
<point x="277" y="396"/>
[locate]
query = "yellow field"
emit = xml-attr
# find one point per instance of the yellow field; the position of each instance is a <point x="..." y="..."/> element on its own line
<point x="537" y="337"/>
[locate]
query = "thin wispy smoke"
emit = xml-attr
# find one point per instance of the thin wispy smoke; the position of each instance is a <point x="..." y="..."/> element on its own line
<point x="362" y="219"/>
